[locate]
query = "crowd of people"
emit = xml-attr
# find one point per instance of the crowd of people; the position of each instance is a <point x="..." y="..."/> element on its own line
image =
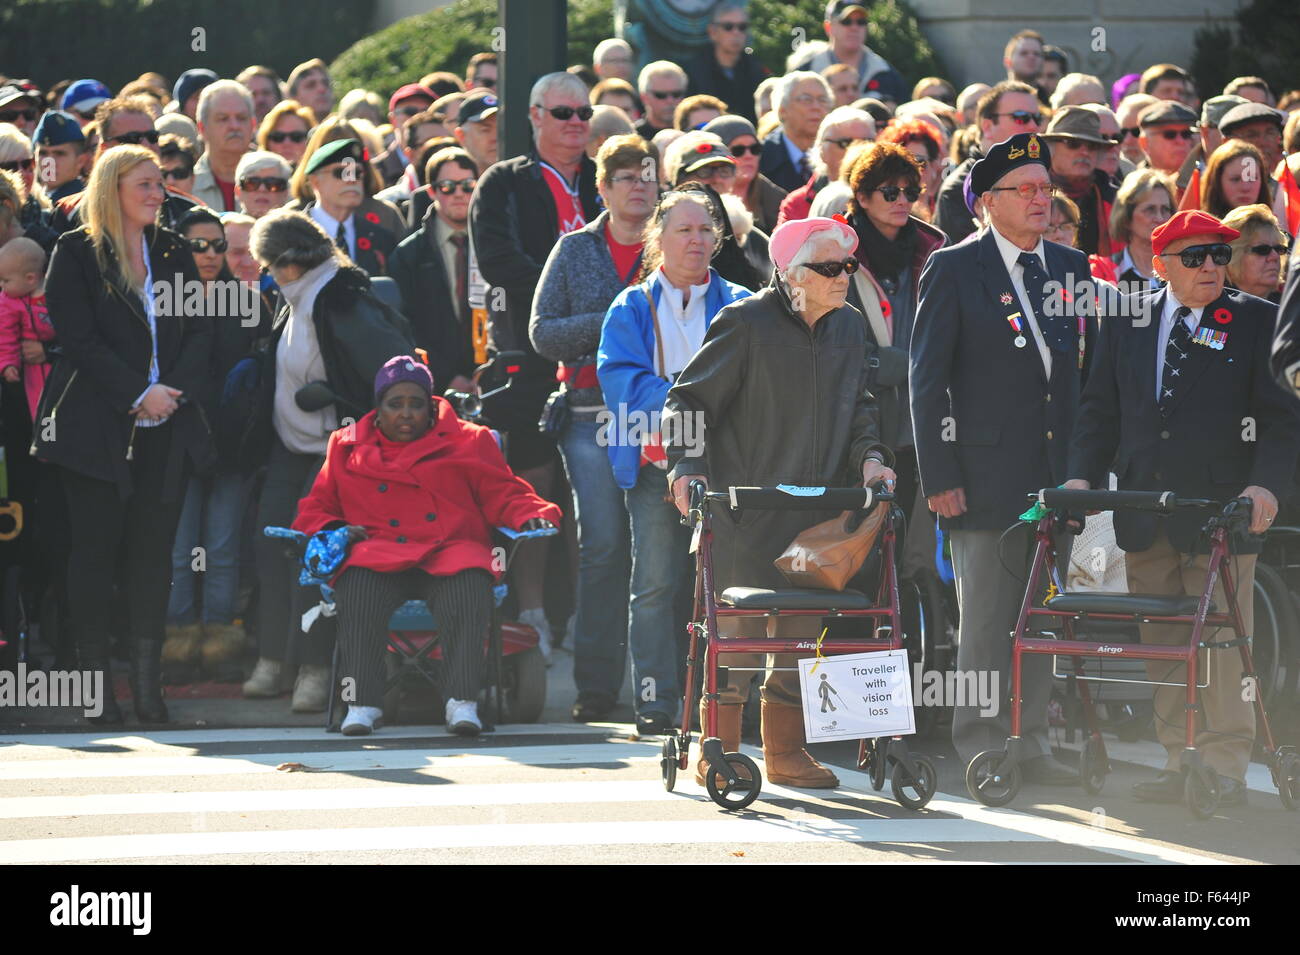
<point x="818" y="259"/>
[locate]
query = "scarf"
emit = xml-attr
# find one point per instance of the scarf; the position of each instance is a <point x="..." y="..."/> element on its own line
<point x="887" y="258"/>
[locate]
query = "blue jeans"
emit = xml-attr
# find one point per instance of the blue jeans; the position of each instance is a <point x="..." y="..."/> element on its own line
<point x="211" y="517"/>
<point x="604" y="560"/>
<point x="660" y="572"/>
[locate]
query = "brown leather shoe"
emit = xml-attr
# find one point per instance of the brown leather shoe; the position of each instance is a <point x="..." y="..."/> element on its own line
<point x="728" y="731"/>
<point x="788" y="763"/>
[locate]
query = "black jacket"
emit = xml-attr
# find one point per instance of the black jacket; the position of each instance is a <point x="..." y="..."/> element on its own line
<point x="357" y="333"/>
<point x="775" y="162"/>
<point x="375" y="244"/>
<point x="985" y="416"/>
<point x="950" y="212"/>
<point x="1205" y="447"/>
<point x="428" y="300"/>
<point x="83" y="418"/>
<point x="1286" y="343"/>
<point x="704" y="75"/>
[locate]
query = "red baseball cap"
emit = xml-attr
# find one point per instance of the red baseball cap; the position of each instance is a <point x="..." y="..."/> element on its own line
<point x="1189" y="222"/>
<point x="410" y="91"/>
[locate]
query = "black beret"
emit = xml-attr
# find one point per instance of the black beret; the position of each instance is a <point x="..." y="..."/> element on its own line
<point x="1021" y="149"/>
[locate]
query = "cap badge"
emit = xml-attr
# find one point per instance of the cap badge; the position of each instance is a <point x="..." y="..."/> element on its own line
<point x="1033" y="147"/>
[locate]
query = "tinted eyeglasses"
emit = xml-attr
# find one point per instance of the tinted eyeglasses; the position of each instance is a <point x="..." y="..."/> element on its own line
<point x="1193" y="257"/>
<point x="833" y="269"/>
<point x="1028" y="190"/>
<point x="891" y="193"/>
<point x="448" y="186"/>
<point x="135" y="139"/>
<point x="1021" y="117"/>
<point x="566" y="113"/>
<point x="756" y="149"/>
<point x="1172" y="134"/>
<point x="178" y="172"/>
<point x="279" y="136"/>
<point x="203" y="245"/>
<point x="9" y="115"/>
<point x="667" y="94"/>
<point x="854" y="22"/>
<point x="732" y="27"/>
<point x="18" y="165"/>
<point x="267" y="183"/>
<point x="1263" y="250"/>
<point x="1128" y="131"/>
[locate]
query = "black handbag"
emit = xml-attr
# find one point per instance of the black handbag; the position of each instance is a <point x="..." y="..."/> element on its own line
<point x="555" y="415"/>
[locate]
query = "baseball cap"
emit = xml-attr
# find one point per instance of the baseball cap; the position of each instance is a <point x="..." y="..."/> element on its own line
<point x="84" y="95"/>
<point x="839" y="9"/>
<point x="11" y="94"/>
<point x="707" y="152"/>
<point x="477" y="105"/>
<point x="411" y="91"/>
<point x="56" y="128"/>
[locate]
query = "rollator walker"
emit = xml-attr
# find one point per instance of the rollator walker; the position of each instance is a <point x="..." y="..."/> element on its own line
<point x="993" y="776"/>
<point x="914" y="778"/>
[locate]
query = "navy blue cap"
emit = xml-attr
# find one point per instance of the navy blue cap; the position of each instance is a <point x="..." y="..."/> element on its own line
<point x="1021" y="149"/>
<point x="56" y="128"/>
<point x="190" y="82"/>
<point x="85" y="95"/>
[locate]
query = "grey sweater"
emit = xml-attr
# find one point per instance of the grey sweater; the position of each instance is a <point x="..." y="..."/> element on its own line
<point x="578" y="284"/>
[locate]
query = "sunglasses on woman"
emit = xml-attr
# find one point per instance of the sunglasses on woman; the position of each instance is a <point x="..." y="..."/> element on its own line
<point x="202" y="245"/>
<point x="178" y="172"/>
<point x="267" y="183"/>
<point x="566" y="113"/>
<point x="891" y="193"/>
<point x="1193" y="257"/>
<point x="300" y="136"/>
<point x="833" y="269"/>
<point x="448" y="186"/>
<point x="135" y="139"/>
<point x="755" y="149"/>
<point x="1264" y="250"/>
<point x="18" y="165"/>
<point x="9" y="115"/>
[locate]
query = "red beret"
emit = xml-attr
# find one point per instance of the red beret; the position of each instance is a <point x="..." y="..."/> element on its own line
<point x="1189" y="222"/>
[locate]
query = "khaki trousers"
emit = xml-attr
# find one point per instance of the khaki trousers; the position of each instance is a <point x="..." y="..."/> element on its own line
<point x="1226" y="722"/>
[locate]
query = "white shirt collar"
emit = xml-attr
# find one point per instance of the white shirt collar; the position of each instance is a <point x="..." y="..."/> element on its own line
<point x="1010" y="252"/>
<point x="331" y="225"/>
<point x="1172" y="305"/>
<point x="674" y="296"/>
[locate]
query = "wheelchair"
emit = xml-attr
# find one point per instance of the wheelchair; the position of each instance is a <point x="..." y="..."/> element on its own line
<point x="914" y="778"/>
<point x="993" y="776"/>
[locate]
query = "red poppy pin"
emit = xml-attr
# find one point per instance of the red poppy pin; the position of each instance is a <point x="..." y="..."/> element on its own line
<point x="363" y="243"/>
<point x="839" y="217"/>
<point x="873" y="84"/>
<point x="372" y="217"/>
<point x="1222" y="316"/>
<point x="704" y="148"/>
<point x="885" y="308"/>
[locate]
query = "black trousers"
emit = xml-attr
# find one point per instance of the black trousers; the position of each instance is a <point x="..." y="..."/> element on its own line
<point x="281" y="602"/>
<point x="461" y="605"/>
<point x="106" y="530"/>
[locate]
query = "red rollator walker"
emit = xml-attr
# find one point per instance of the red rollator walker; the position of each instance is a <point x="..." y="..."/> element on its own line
<point x="914" y="778"/>
<point x="993" y="776"/>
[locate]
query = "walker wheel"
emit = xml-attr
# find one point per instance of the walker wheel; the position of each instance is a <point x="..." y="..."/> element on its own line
<point x="668" y="762"/>
<point x="1093" y="766"/>
<point x="1201" y="792"/>
<point x="1288" y="781"/>
<point x="913" y="792"/>
<point x="741" y="793"/>
<point x="988" y="782"/>
<point x="877" y="758"/>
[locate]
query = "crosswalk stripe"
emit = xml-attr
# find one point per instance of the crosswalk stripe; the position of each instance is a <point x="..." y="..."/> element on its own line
<point x="1152" y="755"/>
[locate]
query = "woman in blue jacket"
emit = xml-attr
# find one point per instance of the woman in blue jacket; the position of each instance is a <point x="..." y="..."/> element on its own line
<point x="650" y="332"/>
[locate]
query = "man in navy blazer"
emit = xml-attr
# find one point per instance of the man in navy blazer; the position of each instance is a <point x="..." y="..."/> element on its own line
<point x="998" y="355"/>
<point x="1193" y="410"/>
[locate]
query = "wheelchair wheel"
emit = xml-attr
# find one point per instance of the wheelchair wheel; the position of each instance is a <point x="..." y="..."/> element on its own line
<point x="1288" y="780"/>
<point x="988" y="782"/>
<point x="668" y="762"/>
<point x="913" y="792"/>
<point x="525" y="686"/>
<point x="1093" y="766"/>
<point x="877" y="759"/>
<point x="1201" y="792"/>
<point x="1272" y="645"/>
<point x="743" y="792"/>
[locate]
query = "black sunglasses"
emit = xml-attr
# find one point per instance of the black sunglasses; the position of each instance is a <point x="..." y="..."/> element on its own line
<point x="1266" y="249"/>
<point x="178" y="172"/>
<point x="1193" y="257"/>
<point x="8" y="116"/>
<point x="833" y="269"/>
<point x="854" y="22"/>
<point x="1128" y="131"/>
<point x="754" y="150"/>
<point x="18" y="165"/>
<point x="202" y="245"/>
<point x="731" y="27"/>
<point x="135" y="139"/>
<point x="278" y="137"/>
<point x="448" y="186"/>
<point x="269" y="183"/>
<point x="667" y="94"/>
<point x="1172" y="134"/>
<point x="1022" y="117"/>
<point x="891" y="193"/>
<point x="489" y="83"/>
<point x="566" y="113"/>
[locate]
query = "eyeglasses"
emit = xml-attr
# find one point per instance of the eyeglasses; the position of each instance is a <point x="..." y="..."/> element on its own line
<point x="807" y="99"/>
<point x="448" y="186"/>
<point x="632" y="179"/>
<point x="732" y="27"/>
<point x="844" y="143"/>
<point x="755" y="149"/>
<point x="833" y="269"/>
<point x="1172" y="134"/>
<point x="667" y="94"/>
<point x="135" y="139"/>
<point x="407" y="111"/>
<point x="178" y="172"/>
<point x="1028" y="190"/>
<point x="1193" y="257"/>
<point x="202" y="245"/>
<point x="1081" y="145"/>
<point x="854" y="22"/>
<point x="267" y="183"/>
<point x="891" y="193"/>
<point x="18" y="165"/>
<point x="1128" y="131"/>
<point x="8" y="116"/>
<point x="1021" y="117"/>
<point x="279" y="136"/>
<point x="347" y="170"/>
<point x="489" y="82"/>
<point x="720" y="170"/>
<point x="566" y="113"/>
<point x="1266" y="249"/>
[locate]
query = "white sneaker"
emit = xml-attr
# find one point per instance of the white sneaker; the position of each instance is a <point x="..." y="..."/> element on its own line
<point x="311" y="691"/>
<point x="462" y="718"/>
<point x="362" y="720"/>
<point x="536" y="618"/>
<point x="265" y="680"/>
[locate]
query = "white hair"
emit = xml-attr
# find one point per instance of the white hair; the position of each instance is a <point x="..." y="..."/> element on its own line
<point x="839" y="116"/>
<point x="14" y="144"/>
<point x="236" y="218"/>
<point x="785" y="87"/>
<point x="764" y="88"/>
<point x="560" y="82"/>
<point x="1077" y="82"/>
<point x="261" y="159"/>
<point x="805" y="251"/>
<point x="742" y="220"/>
<point x="658" y="68"/>
<point x="609" y="46"/>
<point x="213" y="90"/>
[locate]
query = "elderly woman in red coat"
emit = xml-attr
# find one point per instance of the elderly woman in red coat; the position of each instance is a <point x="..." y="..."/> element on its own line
<point x="420" y="491"/>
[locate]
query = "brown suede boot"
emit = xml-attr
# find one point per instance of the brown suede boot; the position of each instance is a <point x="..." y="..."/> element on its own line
<point x="728" y="731"/>
<point x="223" y="648"/>
<point x="181" y="653"/>
<point x="788" y="763"/>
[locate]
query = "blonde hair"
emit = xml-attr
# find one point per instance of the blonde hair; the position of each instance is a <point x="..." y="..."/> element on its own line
<point x="15" y="146"/>
<point x="1250" y="221"/>
<point x="286" y="107"/>
<point x="102" y="210"/>
<point x="12" y="196"/>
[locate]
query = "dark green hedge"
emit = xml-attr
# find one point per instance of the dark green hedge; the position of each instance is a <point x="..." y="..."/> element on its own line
<point x="1266" y="42"/>
<point x="117" y="40"/>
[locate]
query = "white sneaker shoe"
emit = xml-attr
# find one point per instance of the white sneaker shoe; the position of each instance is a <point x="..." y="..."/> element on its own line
<point x="311" y="691"/>
<point x="362" y="720"/>
<point x="265" y="680"/>
<point x="462" y="718"/>
<point x="536" y="618"/>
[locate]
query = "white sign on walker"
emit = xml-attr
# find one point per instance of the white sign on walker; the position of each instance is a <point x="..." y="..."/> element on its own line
<point x="856" y="696"/>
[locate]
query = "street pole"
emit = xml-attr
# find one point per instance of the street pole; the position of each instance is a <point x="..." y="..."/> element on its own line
<point x="535" y="40"/>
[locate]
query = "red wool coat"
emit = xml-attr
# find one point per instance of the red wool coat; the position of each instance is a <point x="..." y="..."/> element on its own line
<point x="432" y="506"/>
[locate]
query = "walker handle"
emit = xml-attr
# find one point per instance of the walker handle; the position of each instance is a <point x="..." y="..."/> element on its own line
<point x="786" y="497"/>
<point x="1161" y="502"/>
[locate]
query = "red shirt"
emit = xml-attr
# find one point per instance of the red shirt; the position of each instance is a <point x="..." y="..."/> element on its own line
<point x="568" y="207"/>
<point x="227" y="193"/>
<point x="624" y="256"/>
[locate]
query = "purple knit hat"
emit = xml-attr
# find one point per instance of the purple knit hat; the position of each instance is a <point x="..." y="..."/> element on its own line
<point x="403" y="368"/>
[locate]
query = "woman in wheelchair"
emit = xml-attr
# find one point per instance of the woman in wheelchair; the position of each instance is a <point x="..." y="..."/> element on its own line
<point x="419" y="491"/>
